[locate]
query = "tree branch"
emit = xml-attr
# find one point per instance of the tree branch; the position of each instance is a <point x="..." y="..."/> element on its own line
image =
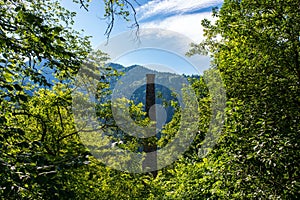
<point x="112" y="13"/>
<point x="83" y="5"/>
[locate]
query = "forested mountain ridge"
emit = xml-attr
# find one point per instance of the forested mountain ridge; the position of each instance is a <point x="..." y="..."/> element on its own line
<point x="167" y="84"/>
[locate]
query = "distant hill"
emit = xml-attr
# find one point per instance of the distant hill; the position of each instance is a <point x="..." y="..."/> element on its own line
<point x="133" y="83"/>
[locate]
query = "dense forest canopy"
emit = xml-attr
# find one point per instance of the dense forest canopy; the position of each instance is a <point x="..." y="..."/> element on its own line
<point x="255" y="46"/>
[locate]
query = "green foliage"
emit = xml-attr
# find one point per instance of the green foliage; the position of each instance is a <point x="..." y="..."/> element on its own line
<point x="255" y="45"/>
<point x="35" y="122"/>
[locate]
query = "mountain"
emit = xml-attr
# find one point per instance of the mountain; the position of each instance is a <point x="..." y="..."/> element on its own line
<point x="132" y="85"/>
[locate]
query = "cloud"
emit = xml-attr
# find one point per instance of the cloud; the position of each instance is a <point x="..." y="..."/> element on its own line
<point x="179" y="25"/>
<point x="167" y="7"/>
<point x="159" y="40"/>
<point x="188" y="25"/>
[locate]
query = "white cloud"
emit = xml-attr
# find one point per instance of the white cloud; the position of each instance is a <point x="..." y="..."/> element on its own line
<point x="156" y="39"/>
<point x="172" y="32"/>
<point x="161" y="7"/>
<point x="188" y="25"/>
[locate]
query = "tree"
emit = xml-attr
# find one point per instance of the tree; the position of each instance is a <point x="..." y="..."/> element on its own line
<point x="41" y="154"/>
<point x="255" y="45"/>
<point x="34" y="121"/>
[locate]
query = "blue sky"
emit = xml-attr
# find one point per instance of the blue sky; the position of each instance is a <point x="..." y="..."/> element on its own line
<point x="167" y="28"/>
